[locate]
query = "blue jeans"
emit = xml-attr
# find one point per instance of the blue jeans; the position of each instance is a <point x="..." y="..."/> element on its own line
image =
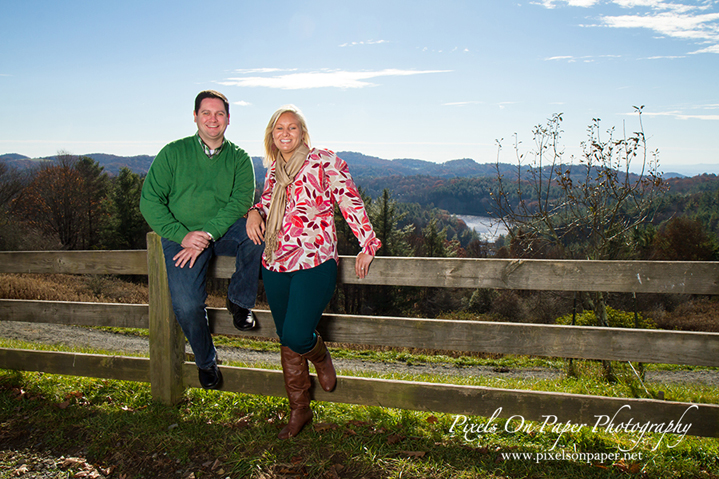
<point x="297" y="300"/>
<point x="188" y="286"/>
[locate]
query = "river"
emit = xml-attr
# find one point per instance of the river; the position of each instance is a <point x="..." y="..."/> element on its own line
<point x="488" y="229"/>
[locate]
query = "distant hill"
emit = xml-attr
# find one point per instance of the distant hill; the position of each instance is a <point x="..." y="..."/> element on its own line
<point x="372" y="167"/>
<point x="362" y="167"/>
<point x="12" y="157"/>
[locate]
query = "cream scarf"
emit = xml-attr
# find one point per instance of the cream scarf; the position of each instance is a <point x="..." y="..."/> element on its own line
<point x="285" y="172"/>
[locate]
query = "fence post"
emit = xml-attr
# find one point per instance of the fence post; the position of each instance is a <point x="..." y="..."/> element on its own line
<point x="167" y="342"/>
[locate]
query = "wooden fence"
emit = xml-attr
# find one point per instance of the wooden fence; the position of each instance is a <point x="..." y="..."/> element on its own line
<point x="169" y="373"/>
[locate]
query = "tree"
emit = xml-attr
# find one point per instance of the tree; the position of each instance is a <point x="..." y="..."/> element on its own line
<point x="126" y="228"/>
<point x="94" y="190"/>
<point x="684" y="239"/>
<point x="63" y="200"/>
<point x="385" y="219"/>
<point x="12" y="182"/>
<point x="435" y="241"/>
<point x="584" y="212"/>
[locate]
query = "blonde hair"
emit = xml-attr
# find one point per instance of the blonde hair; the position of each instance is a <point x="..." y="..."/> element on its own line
<point x="271" y="150"/>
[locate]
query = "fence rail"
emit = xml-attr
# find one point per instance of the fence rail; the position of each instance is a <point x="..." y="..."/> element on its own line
<point x="169" y="374"/>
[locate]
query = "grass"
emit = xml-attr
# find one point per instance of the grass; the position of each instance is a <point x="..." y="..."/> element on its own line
<point x="117" y="427"/>
<point x="120" y="431"/>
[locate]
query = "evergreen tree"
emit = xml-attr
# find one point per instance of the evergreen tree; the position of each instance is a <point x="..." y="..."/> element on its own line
<point x="385" y="219"/>
<point x="127" y="227"/>
<point x="94" y="190"/>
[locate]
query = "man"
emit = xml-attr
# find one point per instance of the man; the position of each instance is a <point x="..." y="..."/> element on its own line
<point x="195" y="196"/>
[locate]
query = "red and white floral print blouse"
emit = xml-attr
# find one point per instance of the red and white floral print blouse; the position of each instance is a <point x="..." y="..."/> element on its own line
<point x="308" y="236"/>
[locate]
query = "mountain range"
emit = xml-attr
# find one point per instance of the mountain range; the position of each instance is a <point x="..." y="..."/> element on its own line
<point x="361" y="166"/>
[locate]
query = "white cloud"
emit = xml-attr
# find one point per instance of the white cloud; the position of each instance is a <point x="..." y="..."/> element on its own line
<point x="682" y="116"/>
<point x="711" y="49"/>
<point x="694" y="27"/>
<point x="242" y="103"/>
<point x="665" y="57"/>
<point x="370" y="42"/>
<point x="675" y="20"/>
<point x="570" y="3"/>
<point x="573" y="59"/>
<point x="462" y="103"/>
<point x="321" y="79"/>
<point x="564" y="57"/>
<point x="261" y="70"/>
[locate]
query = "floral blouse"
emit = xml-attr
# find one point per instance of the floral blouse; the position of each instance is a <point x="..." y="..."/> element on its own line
<point x="308" y="236"/>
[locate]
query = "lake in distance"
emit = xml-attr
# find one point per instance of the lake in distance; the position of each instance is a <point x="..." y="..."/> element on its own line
<point x="488" y="229"/>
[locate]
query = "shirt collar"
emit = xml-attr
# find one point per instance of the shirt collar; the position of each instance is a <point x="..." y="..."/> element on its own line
<point x="208" y="151"/>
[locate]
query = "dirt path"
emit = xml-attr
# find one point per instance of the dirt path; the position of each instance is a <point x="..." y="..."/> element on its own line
<point x="120" y="343"/>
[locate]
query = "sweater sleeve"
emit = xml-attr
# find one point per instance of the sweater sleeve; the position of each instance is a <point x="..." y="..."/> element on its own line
<point x="154" y="199"/>
<point x="243" y="194"/>
<point x="350" y="202"/>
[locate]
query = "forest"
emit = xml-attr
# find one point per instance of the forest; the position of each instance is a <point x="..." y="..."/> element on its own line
<point x="72" y="203"/>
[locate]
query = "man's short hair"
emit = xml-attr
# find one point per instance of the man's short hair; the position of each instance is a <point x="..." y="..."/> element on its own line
<point x="211" y="94"/>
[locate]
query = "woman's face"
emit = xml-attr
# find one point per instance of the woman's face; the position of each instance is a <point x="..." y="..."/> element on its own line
<point x="287" y="134"/>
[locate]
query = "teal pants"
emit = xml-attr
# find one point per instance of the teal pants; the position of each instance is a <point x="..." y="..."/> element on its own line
<point x="297" y="300"/>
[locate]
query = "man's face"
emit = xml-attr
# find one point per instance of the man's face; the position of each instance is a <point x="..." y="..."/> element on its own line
<point x="212" y="121"/>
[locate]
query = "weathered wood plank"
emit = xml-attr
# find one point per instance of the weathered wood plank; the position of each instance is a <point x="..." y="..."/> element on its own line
<point x="699" y="277"/>
<point x="74" y="262"/>
<point x="124" y="368"/>
<point x="477" y="400"/>
<point x="686" y="277"/>
<point x="167" y="341"/>
<point x="617" y="344"/>
<point x="119" y="315"/>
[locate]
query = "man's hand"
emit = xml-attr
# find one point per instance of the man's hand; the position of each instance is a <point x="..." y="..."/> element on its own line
<point x="255" y="227"/>
<point x="185" y="255"/>
<point x="198" y="240"/>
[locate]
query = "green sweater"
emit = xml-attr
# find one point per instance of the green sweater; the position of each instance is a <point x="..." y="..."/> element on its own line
<point x="187" y="191"/>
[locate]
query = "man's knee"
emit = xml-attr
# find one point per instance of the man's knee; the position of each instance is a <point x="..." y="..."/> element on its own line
<point x="188" y="310"/>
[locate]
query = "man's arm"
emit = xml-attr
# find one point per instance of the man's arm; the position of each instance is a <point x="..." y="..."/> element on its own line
<point x="242" y="197"/>
<point x="154" y="200"/>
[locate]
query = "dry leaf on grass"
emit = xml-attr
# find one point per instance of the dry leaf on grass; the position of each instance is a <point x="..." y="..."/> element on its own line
<point x="413" y="453"/>
<point x="21" y="470"/>
<point x="324" y="426"/>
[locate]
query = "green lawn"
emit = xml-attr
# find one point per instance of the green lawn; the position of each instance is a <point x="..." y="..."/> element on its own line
<point x="117" y="427"/>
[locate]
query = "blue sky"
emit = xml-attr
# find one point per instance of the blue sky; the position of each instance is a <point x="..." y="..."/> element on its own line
<point x="430" y="80"/>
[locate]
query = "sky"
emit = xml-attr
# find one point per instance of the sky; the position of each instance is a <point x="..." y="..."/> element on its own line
<point x="431" y="80"/>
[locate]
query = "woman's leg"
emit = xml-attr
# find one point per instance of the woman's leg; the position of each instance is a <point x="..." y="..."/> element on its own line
<point x="277" y="288"/>
<point x="297" y="300"/>
<point x="310" y="291"/>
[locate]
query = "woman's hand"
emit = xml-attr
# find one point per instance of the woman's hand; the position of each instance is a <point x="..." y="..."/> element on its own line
<point x="362" y="264"/>
<point x="255" y="226"/>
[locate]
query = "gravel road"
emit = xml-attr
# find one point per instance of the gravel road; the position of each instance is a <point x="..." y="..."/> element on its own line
<point x="120" y="343"/>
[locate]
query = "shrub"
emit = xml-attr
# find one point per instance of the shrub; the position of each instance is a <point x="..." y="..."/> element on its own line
<point x="616" y="319"/>
<point x="699" y="314"/>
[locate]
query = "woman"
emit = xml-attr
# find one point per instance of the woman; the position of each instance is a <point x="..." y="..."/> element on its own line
<point x="295" y="218"/>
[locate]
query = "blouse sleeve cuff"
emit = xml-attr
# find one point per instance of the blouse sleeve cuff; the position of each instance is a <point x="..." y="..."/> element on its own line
<point x="372" y="246"/>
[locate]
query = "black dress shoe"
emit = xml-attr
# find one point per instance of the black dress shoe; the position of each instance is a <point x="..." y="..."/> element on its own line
<point x="210" y="378"/>
<point x="243" y="319"/>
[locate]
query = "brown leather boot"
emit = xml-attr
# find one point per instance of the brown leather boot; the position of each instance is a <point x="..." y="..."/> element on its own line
<point x="297" y="385"/>
<point x="320" y="357"/>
